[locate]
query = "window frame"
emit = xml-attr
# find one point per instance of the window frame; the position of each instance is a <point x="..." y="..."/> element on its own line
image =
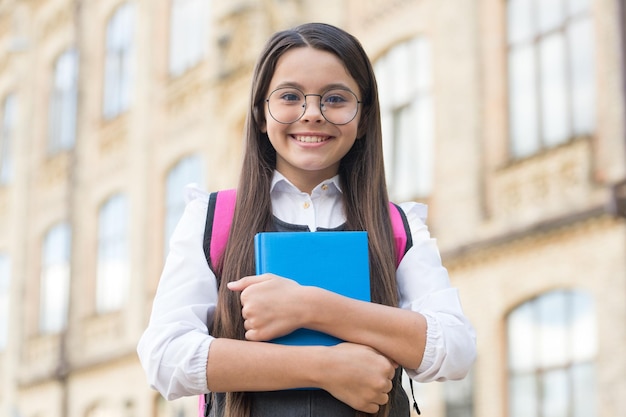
<point x="118" y="61"/>
<point x="62" y="113"/>
<point x="113" y="257"/>
<point x="532" y="339"/>
<point x="533" y="78"/>
<point x="55" y="267"/>
<point x="407" y="156"/>
<point x="189" y="169"/>
<point x="188" y="34"/>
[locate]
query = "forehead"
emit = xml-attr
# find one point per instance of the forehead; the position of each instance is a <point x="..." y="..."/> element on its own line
<point x="312" y="70"/>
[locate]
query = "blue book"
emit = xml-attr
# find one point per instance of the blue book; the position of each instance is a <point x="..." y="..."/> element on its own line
<point x="335" y="261"/>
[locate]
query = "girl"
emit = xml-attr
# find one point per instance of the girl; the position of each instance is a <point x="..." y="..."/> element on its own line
<point x="313" y="161"/>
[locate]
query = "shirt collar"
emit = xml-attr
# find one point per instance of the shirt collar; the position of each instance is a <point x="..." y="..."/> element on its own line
<point x="281" y="183"/>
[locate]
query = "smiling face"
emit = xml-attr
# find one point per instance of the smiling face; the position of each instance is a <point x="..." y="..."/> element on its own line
<point x="309" y="150"/>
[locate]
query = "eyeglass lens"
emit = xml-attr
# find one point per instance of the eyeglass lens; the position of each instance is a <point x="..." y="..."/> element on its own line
<point x="288" y="105"/>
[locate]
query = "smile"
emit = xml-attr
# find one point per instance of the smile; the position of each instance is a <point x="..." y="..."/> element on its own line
<point x="311" y="139"/>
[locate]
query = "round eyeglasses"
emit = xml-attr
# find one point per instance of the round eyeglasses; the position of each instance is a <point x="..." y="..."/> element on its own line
<point x="287" y="105"/>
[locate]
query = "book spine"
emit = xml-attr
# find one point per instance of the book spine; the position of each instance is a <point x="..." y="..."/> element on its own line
<point x="258" y="250"/>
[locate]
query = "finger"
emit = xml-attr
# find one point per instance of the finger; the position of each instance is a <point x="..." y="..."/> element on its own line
<point x="247" y="324"/>
<point x="245" y="282"/>
<point x="252" y="335"/>
<point x="245" y="310"/>
<point x="382" y="399"/>
<point x="371" y="408"/>
<point x="386" y="386"/>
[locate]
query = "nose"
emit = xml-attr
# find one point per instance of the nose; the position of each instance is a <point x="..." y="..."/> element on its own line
<point x="312" y="110"/>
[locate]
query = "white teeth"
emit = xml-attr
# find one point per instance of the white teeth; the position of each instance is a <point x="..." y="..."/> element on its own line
<point x="310" y="139"/>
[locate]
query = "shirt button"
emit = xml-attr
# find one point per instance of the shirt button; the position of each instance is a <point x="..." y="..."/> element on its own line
<point x="324" y="187"/>
<point x="306" y="205"/>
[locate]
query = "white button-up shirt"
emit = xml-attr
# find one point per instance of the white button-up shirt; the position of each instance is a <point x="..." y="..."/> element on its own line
<point x="174" y="348"/>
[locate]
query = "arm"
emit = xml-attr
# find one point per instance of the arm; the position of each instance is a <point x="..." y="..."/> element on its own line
<point x="274" y="306"/>
<point x="354" y="374"/>
<point x="429" y="335"/>
<point x="424" y="287"/>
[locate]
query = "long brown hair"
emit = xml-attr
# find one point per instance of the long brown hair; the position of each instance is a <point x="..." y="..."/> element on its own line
<point x="361" y="174"/>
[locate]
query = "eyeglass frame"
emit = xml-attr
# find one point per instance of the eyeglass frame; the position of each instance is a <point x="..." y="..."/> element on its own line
<point x="304" y="106"/>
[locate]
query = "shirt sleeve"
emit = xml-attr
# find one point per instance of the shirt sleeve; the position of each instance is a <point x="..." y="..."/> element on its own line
<point x="173" y="349"/>
<point x="424" y="287"/>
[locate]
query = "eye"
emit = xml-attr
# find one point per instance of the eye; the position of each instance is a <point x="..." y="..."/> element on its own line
<point x="336" y="98"/>
<point x="290" y="96"/>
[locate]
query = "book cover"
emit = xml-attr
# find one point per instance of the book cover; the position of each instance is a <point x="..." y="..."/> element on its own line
<point x="335" y="261"/>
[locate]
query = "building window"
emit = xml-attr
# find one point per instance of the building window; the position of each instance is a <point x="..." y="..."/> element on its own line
<point x="188" y="34"/>
<point x="459" y="397"/>
<point x="188" y="170"/>
<point x="7" y="128"/>
<point x="55" y="279"/>
<point x="118" y="61"/>
<point x="113" y="261"/>
<point x="64" y="102"/>
<point x="5" y="285"/>
<point x="551" y="73"/>
<point x="406" y="103"/>
<point x="552" y="342"/>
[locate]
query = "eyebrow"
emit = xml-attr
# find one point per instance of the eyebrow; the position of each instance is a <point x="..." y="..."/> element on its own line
<point x="326" y="87"/>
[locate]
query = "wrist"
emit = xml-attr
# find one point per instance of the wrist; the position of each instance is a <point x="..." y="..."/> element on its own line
<point x="319" y="357"/>
<point x="310" y="307"/>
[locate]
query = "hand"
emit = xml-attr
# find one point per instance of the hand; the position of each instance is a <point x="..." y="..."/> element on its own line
<point x="271" y="306"/>
<point x="359" y="376"/>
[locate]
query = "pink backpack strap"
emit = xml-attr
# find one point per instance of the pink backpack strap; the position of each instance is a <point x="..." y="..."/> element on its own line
<point x="201" y="405"/>
<point x="220" y="211"/>
<point x="219" y="218"/>
<point x="401" y="231"/>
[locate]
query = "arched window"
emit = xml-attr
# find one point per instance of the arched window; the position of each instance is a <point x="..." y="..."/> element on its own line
<point x="551" y="73"/>
<point x="188" y="170"/>
<point x="63" y="102"/>
<point x="552" y="343"/>
<point x="113" y="259"/>
<point x="55" y="279"/>
<point x="406" y="104"/>
<point x="118" y="61"/>
<point x="188" y="34"/>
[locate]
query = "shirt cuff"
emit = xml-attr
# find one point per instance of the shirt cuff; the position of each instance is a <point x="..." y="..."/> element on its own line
<point x="434" y="339"/>
<point x="198" y="367"/>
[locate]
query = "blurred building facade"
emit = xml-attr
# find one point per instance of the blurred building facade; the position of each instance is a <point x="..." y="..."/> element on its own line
<point x="506" y="117"/>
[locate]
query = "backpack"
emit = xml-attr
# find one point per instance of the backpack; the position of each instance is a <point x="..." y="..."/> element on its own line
<point x="220" y="211"/>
